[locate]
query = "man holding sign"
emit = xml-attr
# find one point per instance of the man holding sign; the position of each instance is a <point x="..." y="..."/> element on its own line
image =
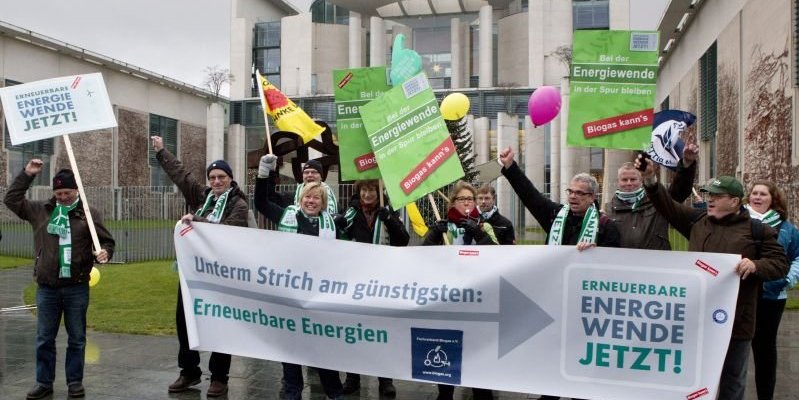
<point x="64" y="260"/>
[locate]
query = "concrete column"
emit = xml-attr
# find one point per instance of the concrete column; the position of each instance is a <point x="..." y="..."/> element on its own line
<point x="355" y="44"/>
<point x="237" y="154"/>
<point x="481" y="141"/>
<point x="469" y="120"/>
<point x="240" y="58"/>
<point x="466" y="56"/>
<point x="537" y="35"/>
<point x="619" y="14"/>
<point x="456" y="76"/>
<point x="568" y="156"/>
<point x="214" y="132"/>
<point x="534" y="159"/>
<point x="486" y="54"/>
<point x="554" y="159"/>
<point x="377" y="42"/>
<point x="507" y="135"/>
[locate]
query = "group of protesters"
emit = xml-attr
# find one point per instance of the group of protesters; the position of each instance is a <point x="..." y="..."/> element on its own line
<point x="752" y="224"/>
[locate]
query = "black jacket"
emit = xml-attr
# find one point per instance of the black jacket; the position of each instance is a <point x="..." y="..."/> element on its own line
<point x="357" y="227"/>
<point x="263" y="199"/>
<point x="545" y="211"/>
<point x="503" y="229"/>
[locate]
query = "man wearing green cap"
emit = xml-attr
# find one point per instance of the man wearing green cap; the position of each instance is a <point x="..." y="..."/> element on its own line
<point x="725" y="227"/>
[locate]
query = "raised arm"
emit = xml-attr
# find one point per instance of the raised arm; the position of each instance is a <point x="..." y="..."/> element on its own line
<point x="15" y="196"/>
<point x="542" y="208"/>
<point x="189" y="186"/>
<point x="264" y="185"/>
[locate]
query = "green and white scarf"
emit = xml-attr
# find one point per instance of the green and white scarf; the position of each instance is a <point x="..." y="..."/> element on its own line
<point x="219" y="207"/>
<point x="770" y="217"/>
<point x="332" y="204"/>
<point x="488" y="214"/>
<point x="59" y="226"/>
<point x="588" y="230"/>
<point x="377" y="235"/>
<point x="634" y="198"/>
<point x="288" y="222"/>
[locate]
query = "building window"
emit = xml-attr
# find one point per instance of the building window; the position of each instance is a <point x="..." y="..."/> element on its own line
<point x="325" y="13"/>
<point x="19" y="155"/>
<point x="167" y="128"/>
<point x="266" y="53"/>
<point x="590" y="14"/>
<point x="708" y="102"/>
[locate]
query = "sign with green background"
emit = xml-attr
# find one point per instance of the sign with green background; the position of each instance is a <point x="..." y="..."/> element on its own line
<point x="612" y="89"/>
<point x="353" y="88"/>
<point x="412" y="145"/>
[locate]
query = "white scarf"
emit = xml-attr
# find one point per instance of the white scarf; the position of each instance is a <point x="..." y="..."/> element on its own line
<point x="770" y="217"/>
<point x="288" y="222"/>
<point x="633" y="198"/>
<point x="219" y="207"/>
<point x="588" y="230"/>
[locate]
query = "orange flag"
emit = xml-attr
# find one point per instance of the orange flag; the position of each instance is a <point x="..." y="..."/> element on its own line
<point x="285" y="114"/>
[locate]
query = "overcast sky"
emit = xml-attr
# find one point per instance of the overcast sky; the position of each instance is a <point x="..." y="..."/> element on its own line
<point x="176" y="38"/>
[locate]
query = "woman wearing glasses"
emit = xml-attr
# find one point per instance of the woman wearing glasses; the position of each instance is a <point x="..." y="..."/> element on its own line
<point x="765" y="202"/>
<point x="462" y="226"/>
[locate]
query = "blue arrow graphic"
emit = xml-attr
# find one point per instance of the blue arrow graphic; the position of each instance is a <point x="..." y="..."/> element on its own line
<point x="519" y="317"/>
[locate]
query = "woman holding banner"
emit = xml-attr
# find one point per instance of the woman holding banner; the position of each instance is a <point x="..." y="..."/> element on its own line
<point x="219" y="203"/>
<point x="310" y="217"/>
<point x="363" y="222"/>
<point x="766" y="203"/>
<point x="463" y="227"/>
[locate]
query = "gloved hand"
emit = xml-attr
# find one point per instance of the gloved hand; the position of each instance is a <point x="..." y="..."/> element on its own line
<point x="385" y="212"/>
<point x="472" y="227"/>
<point x="340" y="221"/>
<point x="776" y="285"/>
<point x="440" y="226"/>
<point x="267" y="165"/>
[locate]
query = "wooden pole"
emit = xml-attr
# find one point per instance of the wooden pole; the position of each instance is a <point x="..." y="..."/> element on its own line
<point x="437" y="215"/>
<point x="262" y="96"/>
<point x="83" y="199"/>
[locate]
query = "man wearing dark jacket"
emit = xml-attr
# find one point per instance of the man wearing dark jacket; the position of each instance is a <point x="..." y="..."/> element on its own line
<point x="641" y="226"/>
<point x="564" y="224"/>
<point x="725" y="227"/>
<point x="220" y="203"/>
<point x="64" y="258"/>
<point x="487" y="204"/>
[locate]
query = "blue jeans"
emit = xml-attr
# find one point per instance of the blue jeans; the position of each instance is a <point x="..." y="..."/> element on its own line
<point x="71" y="301"/>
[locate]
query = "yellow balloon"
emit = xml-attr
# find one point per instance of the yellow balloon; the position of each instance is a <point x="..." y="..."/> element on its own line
<point x="455" y="106"/>
<point x="94" y="277"/>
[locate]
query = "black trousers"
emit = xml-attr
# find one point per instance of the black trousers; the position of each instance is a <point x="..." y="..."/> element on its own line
<point x="189" y="360"/>
<point x="445" y="392"/>
<point x="764" y="346"/>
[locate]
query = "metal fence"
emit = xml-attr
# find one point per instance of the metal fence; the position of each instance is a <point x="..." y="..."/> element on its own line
<point x="142" y="220"/>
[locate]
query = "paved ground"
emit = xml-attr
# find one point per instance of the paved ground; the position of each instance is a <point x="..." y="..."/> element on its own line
<point x="141" y="367"/>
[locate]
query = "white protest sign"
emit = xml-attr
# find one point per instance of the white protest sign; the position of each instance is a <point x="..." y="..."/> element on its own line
<point x="600" y="324"/>
<point x="58" y="106"/>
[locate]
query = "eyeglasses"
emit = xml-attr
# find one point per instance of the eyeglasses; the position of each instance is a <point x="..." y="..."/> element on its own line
<point x="579" y="193"/>
<point x="464" y="199"/>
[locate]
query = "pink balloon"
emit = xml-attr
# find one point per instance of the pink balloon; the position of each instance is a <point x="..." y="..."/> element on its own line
<point x="544" y="105"/>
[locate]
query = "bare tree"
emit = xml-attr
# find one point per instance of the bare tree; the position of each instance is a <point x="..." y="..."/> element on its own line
<point x="564" y="55"/>
<point x="216" y="77"/>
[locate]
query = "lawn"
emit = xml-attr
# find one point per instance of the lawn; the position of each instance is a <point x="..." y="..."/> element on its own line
<point x="13" y="262"/>
<point x="135" y="298"/>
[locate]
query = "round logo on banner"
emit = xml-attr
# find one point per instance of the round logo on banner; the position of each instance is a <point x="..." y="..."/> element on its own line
<point x="720" y="316"/>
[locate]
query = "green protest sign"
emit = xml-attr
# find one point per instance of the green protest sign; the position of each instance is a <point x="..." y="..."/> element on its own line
<point x="413" y="148"/>
<point x="354" y="88"/>
<point x="612" y="89"/>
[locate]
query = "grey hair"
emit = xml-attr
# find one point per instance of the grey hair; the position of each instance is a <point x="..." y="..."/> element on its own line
<point x="628" y="166"/>
<point x="586" y="178"/>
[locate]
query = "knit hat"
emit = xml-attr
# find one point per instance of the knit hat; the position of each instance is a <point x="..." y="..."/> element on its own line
<point x="220" y="164"/>
<point x="64" y="179"/>
<point x="313" y="164"/>
<point x="724" y="185"/>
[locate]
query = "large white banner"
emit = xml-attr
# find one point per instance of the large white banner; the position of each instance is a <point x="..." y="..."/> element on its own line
<point x="601" y="324"/>
<point x="58" y="106"/>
